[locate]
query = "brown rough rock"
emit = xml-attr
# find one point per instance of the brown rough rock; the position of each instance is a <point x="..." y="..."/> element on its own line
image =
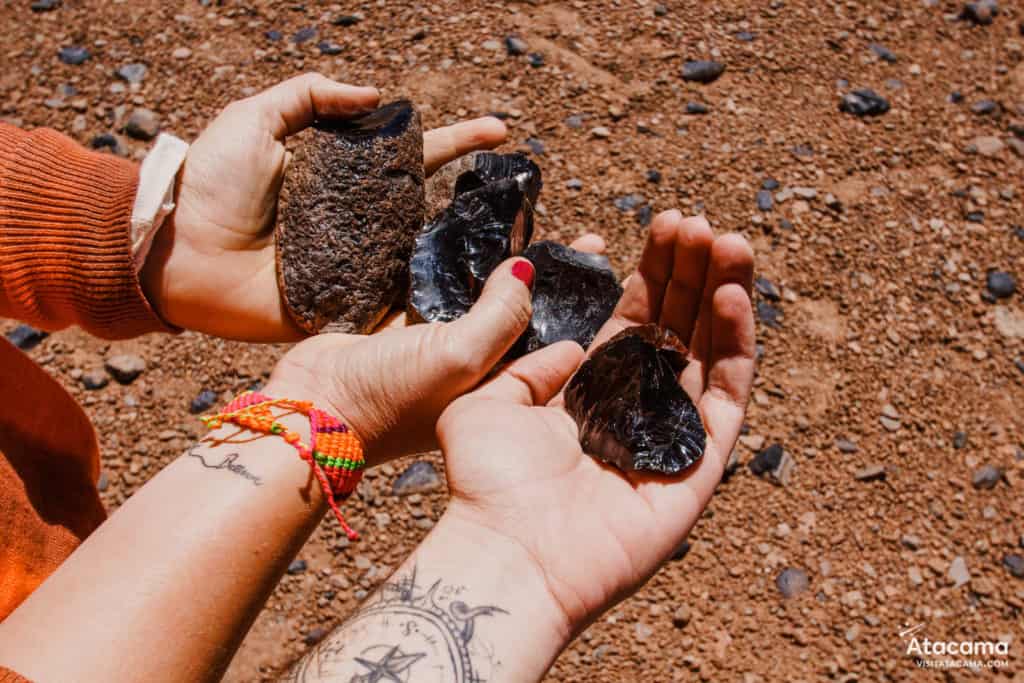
<point x="353" y="204"/>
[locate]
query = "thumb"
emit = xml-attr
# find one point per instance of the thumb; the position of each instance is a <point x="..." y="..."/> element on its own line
<point x="293" y="105"/>
<point x="497" y="319"/>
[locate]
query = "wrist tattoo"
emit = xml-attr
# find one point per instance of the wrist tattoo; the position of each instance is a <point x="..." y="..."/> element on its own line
<point x="227" y="462"/>
<point x="407" y="631"/>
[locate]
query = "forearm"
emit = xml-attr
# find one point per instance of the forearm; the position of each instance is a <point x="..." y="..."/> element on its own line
<point x="467" y="605"/>
<point x="172" y="581"/>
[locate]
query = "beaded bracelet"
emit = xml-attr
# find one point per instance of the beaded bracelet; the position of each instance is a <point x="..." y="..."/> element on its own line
<point x="334" y="454"/>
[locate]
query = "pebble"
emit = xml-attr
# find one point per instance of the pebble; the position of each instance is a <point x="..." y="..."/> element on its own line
<point x="26" y="337"/>
<point x="535" y="59"/>
<point x="682" y="616"/>
<point x="791" y="582"/>
<point x="884" y="53"/>
<point x="975" y="217"/>
<point x="575" y="121"/>
<point x="958" y="572"/>
<point x="981" y="13"/>
<point x="774" y="461"/>
<point x="910" y="542"/>
<point x="629" y="202"/>
<point x="347" y="19"/>
<point x="987" y="146"/>
<point x="108" y="141"/>
<point x="864" y="102"/>
<point x="684" y="549"/>
<point x="273" y="36"/>
<point x="644" y="215"/>
<point x="764" y="200"/>
<point x="768" y="314"/>
<point x="133" y="73"/>
<point x="125" y="367"/>
<point x="574" y="184"/>
<point x="328" y="48"/>
<point x="985" y="107"/>
<point x="143" y="124"/>
<point x="870" y="473"/>
<point x="600" y="132"/>
<point x="419" y="477"/>
<point x="986" y="477"/>
<point x="202" y="402"/>
<point x="181" y="53"/>
<point x="702" y="71"/>
<point x="767" y="289"/>
<point x="1000" y="284"/>
<point x="536" y="146"/>
<point x="44" y="5"/>
<point x="959" y="440"/>
<point x="745" y="36"/>
<point x="653" y="176"/>
<point x="492" y="45"/>
<point x="94" y="379"/>
<point x="1015" y="565"/>
<point x="770" y="184"/>
<point x="846" y="446"/>
<point x="515" y="45"/>
<point x="696" y="108"/>
<point x="315" y="635"/>
<point x="297" y="567"/>
<point x="73" y="55"/>
<point x="304" y="35"/>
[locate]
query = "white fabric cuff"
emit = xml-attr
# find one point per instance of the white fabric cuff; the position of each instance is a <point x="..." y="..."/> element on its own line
<point x="154" y="200"/>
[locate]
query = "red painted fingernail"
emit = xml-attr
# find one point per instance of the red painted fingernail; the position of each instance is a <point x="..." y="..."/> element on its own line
<point x="523" y="270"/>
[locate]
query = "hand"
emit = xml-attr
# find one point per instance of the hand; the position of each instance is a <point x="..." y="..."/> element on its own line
<point x="212" y="268"/>
<point x="514" y="463"/>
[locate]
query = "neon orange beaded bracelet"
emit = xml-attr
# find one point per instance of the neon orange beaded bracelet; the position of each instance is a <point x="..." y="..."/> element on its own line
<point x="334" y="454"/>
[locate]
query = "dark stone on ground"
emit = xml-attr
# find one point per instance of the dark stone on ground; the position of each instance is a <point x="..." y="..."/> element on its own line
<point x="273" y="36"/>
<point x="846" y="446"/>
<point x="1000" y="284"/>
<point x="304" y="35"/>
<point x="884" y="53"/>
<point x="489" y="219"/>
<point x="1014" y="564"/>
<point x="745" y="37"/>
<point x="864" y="102"/>
<point x="660" y="10"/>
<point x="629" y="406"/>
<point x="535" y="59"/>
<point x="575" y="121"/>
<point x="791" y="582"/>
<point x="644" y="215"/>
<point x="975" y="217"/>
<point x="956" y="97"/>
<point x="764" y="200"/>
<point x="95" y="378"/>
<point x="702" y="71"/>
<point x="132" y="73"/>
<point x="653" y="176"/>
<point x="770" y="184"/>
<point x="202" y="402"/>
<point x="629" y="202"/>
<point x="574" y="294"/>
<point x="125" y="367"/>
<point x="959" y="440"/>
<point x="536" y="146"/>
<point x="767" y="289"/>
<point x="981" y="13"/>
<point x="108" y="141"/>
<point x="44" y="5"/>
<point x="870" y="473"/>
<point x="142" y="124"/>
<point x="768" y="314"/>
<point x="347" y="20"/>
<point x="315" y="635"/>
<point x="766" y="459"/>
<point x="696" y="108"/>
<point x="419" y="477"/>
<point x="354" y="203"/>
<point x="26" y="337"/>
<point x="574" y="184"/>
<point x="985" y="107"/>
<point x="329" y="49"/>
<point x="986" y="477"/>
<point x="297" y="567"/>
<point x="681" y="551"/>
<point x="73" y="55"/>
<point x="515" y="45"/>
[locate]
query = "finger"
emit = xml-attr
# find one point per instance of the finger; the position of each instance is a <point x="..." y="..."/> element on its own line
<point x="590" y="243"/>
<point x="730" y="364"/>
<point x="292" y="105"/>
<point x="535" y="378"/>
<point x="442" y="145"/>
<point x="684" y="292"/>
<point x="644" y="289"/>
<point x="731" y="260"/>
<point x="478" y="340"/>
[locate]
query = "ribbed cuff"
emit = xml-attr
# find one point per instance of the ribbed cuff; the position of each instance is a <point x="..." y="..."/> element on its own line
<point x="8" y="676"/>
<point x="65" y="246"/>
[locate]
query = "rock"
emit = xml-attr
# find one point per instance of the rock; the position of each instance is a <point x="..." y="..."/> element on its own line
<point x="103" y="482"/>
<point x="536" y="146"/>
<point x="492" y="45"/>
<point x="870" y="473"/>
<point x="181" y="53"/>
<point x="959" y="440"/>
<point x="792" y="582"/>
<point x="775" y="462"/>
<point x="702" y="71"/>
<point x="304" y="35"/>
<point x="653" y="176"/>
<point x="883" y="53"/>
<point x="764" y="200"/>
<point x="629" y="407"/>
<point x="133" y="73"/>
<point x="910" y="542"/>
<point x="109" y="141"/>
<point x="1000" y="284"/>
<point x="1014" y="563"/>
<point x="125" y="367"/>
<point x="297" y="567"/>
<point x="574" y="294"/>
<point x="846" y="446"/>
<point x="629" y="202"/>
<point x="682" y="616"/>
<point x="768" y="314"/>
<point x="315" y="635"/>
<point x="516" y="46"/>
<point x="143" y="124"/>
<point x="354" y="204"/>
<point x="347" y="19"/>
<point x="273" y="36"/>
<point x="745" y="37"/>
<point x="419" y="477"/>
<point x="864" y="102"/>
<point x="202" y="402"/>
<point x="575" y="121"/>
<point x="328" y="48"/>
<point x="982" y="586"/>
<point x="987" y="146"/>
<point x="73" y="55"/>
<point x="985" y="107"/>
<point x="574" y="184"/>
<point x="489" y="219"/>
<point x="914" y="574"/>
<point x="684" y="549"/>
<point x="981" y="13"/>
<point x="26" y="337"/>
<point x="767" y="289"/>
<point x="44" y="5"/>
<point x="696" y="108"/>
<point x="94" y="379"/>
<point x="600" y="132"/>
<point x="986" y="477"/>
<point x="535" y="59"/>
<point x="770" y="184"/>
<point x="958" y="572"/>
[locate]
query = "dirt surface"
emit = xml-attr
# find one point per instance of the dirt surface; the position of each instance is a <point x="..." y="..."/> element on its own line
<point x="885" y="342"/>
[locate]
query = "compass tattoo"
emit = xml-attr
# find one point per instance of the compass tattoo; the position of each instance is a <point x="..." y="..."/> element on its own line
<point x="407" y="631"/>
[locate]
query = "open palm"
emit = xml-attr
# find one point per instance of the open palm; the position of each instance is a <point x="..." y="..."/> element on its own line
<point x="514" y="461"/>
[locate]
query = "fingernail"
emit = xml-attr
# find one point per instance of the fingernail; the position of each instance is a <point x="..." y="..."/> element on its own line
<point x="523" y="270"/>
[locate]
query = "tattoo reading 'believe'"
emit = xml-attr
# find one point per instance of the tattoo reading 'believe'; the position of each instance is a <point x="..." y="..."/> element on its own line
<point x="228" y="462"/>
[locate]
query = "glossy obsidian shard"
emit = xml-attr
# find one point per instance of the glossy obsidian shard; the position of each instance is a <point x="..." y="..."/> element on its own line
<point x="629" y="406"/>
<point x="574" y="294"/>
<point x="489" y="219"/>
<point x="353" y="202"/>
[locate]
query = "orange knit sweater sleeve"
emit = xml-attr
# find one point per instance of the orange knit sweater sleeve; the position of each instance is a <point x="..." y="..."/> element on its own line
<point x="65" y="247"/>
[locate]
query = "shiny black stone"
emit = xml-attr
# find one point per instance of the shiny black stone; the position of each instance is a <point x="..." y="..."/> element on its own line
<point x="574" y="294"/>
<point x="702" y="71"/>
<point x="864" y="102"/>
<point x="26" y="337"/>
<point x="629" y="406"/>
<point x="73" y="55"/>
<point x="489" y="220"/>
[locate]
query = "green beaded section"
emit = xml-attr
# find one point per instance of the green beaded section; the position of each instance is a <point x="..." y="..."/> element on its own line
<point x="341" y="463"/>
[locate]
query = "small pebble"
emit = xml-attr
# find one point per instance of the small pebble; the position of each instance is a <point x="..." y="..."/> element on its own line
<point x="94" y="379"/>
<point x="702" y="71"/>
<point x="273" y="36"/>
<point x="1015" y="565"/>
<point x="767" y="289"/>
<point x="985" y="107"/>
<point x="44" y="5"/>
<point x="791" y="582"/>
<point x="26" y="337"/>
<point x="982" y="13"/>
<point x="653" y="176"/>
<point x="535" y="59"/>
<point x="516" y="46"/>
<point x="297" y="567"/>
<point x="1000" y="284"/>
<point x="884" y="53"/>
<point x="419" y="477"/>
<point x="768" y="314"/>
<point x="142" y="124"/>
<point x="600" y="132"/>
<point x="959" y="440"/>
<point x="574" y="184"/>
<point x="202" y="402"/>
<point x="764" y="200"/>
<point x="696" y="108"/>
<point x="864" y="102"/>
<point x="73" y="55"/>
<point x="328" y="48"/>
<point x="347" y="20"/>
<point x="986" y="477"/>
<point x="304" y="35"/>
<point x="133" y="73"/>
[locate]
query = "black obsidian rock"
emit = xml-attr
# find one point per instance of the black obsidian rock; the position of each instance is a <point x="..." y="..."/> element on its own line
<point x="629" y="406"/>
<point x="26" y="337"/>
<point x="574" y="294"/>
<point x="490" y="218"/>
<point x="73" y="55"/>
<point x="864" y="102"/>
<point x="702" y="71"/>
